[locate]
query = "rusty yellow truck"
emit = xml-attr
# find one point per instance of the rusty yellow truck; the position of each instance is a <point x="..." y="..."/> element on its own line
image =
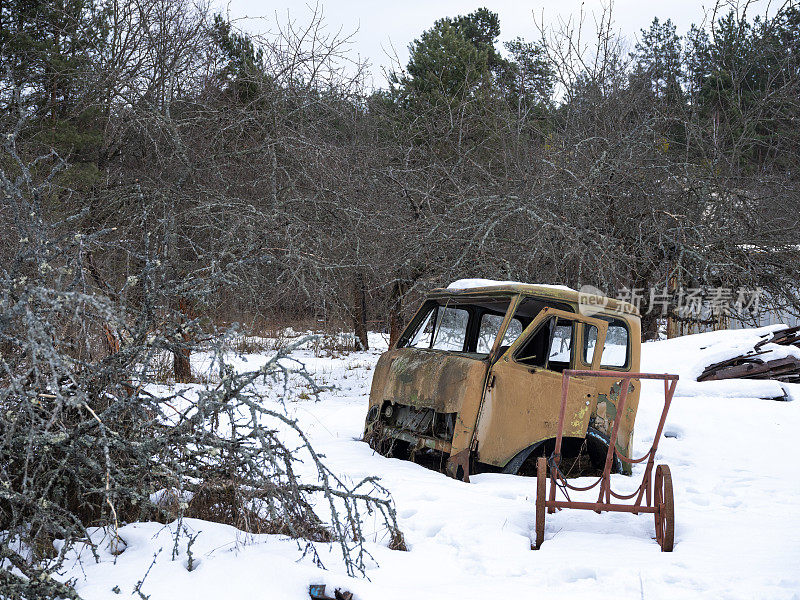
<point x="475" y="378"/>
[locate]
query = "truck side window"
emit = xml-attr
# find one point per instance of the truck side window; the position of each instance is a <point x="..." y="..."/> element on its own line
<point x="561" y="347"/>
<point x="615" y="350"/>
<point x="490" y="327"/>
<point x="550" y="346"/>
<point x="422" y="338"/>
<point x="534" y="351"/>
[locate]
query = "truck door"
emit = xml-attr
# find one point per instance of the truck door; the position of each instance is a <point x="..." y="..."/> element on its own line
<point x="523" y="390"/>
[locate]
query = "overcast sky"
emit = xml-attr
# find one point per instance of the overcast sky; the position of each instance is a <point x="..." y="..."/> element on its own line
<point x="384" y="27"/>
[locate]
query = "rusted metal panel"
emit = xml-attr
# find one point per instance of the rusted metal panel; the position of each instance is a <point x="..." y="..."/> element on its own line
<point x="418" y="440"/>
<point x="785" y="337"/>
<point x="428" y="378"/>
<point x="751" y="369"/>
<point x="522" y="403"/>
<point x="751" y="366"/>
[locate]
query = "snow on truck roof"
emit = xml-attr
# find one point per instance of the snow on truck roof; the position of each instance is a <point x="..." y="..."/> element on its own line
<point x="465" y="284"/>
<point x="561" y="291"/>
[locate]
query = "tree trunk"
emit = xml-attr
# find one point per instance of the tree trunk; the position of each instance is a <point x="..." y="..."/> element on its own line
<point x="396" y="312"/>
<point x="181" y="365"/>
<point x="111" y="337"/>
<point x="649" y="327"/>
<point x="359" y="312"/>
<point x="673" y="326"/>
<point x="182" y="368"/>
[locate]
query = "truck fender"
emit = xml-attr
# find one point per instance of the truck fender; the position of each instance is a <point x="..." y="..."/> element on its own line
<point x="513" y="466"/>
<point x="592" y="435"/>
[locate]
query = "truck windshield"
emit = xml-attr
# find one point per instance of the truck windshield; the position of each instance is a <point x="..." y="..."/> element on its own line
<point x="472" y="324"/>
<point x="448" y="325"/>
<point x="450" y="332"/>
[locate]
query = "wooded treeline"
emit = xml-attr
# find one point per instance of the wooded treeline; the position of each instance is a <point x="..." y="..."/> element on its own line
<point x="273" y="186"/>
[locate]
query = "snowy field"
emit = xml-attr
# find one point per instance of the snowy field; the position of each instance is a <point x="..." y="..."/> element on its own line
<point x="734" y="461"/>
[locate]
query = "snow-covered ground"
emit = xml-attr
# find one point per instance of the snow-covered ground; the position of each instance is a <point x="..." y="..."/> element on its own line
<point x="734" y="461"/>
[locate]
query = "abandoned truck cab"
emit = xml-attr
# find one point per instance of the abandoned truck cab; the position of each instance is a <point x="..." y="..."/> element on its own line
<point x="476" y="378"/>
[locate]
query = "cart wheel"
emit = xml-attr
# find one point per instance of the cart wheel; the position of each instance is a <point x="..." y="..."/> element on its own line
<point x="541" y="494"/>
<point x="665" y="508"/>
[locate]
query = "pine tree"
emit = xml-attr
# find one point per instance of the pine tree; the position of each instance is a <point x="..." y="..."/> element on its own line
<point x="530" y="76"/>
<point x="50" y="52"/>
<point x="243" y="62"/>
<point x="658" y="61"/>
<point x="455" y="59"/>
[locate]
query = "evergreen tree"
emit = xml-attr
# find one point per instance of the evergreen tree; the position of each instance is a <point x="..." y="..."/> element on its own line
<point x="481" y="28"/>
<point x="658" y="61"/>
<point x="49" y="53"/>
<point x="743" y="80"/>
<point x="243" y="62"/>
<point x="49" y="48"/>
<point x="454" y="59"/>
<point x="697" y="61"/>
<point x="444" y="65"/>
<point x="531" y="76"/>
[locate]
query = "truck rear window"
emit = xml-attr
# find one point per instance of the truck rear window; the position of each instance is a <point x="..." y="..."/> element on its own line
<point x="615" y="350"/>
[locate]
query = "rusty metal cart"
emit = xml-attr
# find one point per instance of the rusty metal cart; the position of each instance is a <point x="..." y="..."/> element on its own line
<point x="654" y="494"/>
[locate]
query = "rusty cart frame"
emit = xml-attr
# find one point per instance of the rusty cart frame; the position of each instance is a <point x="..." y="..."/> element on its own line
<point x="656" y="492"/>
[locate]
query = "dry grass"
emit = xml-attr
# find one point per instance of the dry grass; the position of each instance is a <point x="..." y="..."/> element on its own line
<point x="276" y="334"/>
<point x="334" y="345"/>
<point x="223" y="501"/>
